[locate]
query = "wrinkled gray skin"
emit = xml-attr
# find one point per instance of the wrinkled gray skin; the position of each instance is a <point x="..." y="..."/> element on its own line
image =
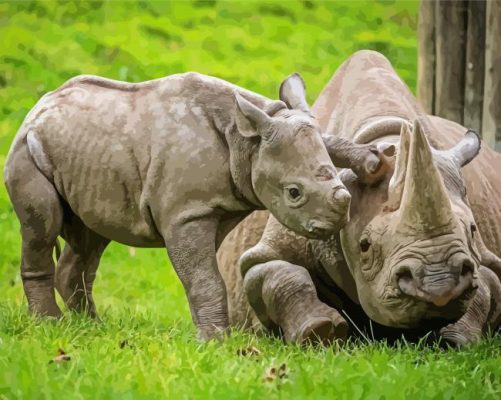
<point x="412" y="250"/>
<point x="176" y="163"/>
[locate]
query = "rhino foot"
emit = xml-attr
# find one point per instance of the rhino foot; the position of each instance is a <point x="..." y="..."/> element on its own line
<point x="322" y="330"/>
<point x="459" y="334"/>
<point x="317" y="323"/>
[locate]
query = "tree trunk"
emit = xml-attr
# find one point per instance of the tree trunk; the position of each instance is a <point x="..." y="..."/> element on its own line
<point x="450" y="59"/>
<point x="426" y="61"/>
<point x="491" y="122"/>
<point x="459" y="64"/>
<point x="475" y="65"/>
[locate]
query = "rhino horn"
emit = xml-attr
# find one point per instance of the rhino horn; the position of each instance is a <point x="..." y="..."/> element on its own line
<point x="425" y="204"/>
<point x="396" y="185"/>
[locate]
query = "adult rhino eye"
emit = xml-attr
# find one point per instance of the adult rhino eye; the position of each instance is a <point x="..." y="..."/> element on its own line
<point x="365" y="244"/>
<point x="473" y="228"/>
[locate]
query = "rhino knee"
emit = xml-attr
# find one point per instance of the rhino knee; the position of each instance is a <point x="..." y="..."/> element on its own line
<point x="276" y="281"/>
<point x="258" y="254"/>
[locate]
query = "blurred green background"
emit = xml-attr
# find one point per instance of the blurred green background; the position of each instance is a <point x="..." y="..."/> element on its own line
<point x="145" y="347"/>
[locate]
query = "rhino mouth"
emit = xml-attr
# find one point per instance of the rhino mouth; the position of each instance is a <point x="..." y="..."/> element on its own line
<point x="451" y="311"/>
<point x="323" y="230"/>
<point x="441" y="291"/>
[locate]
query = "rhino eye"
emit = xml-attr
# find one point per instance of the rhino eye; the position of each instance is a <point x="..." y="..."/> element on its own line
<point x="473" y="229"/>
<point x="365" y="244"/>
<point x="294" y="192"/>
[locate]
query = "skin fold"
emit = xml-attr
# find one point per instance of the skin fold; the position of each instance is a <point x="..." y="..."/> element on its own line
<point x="175" y="162"/>
<point x="419" y="250"/>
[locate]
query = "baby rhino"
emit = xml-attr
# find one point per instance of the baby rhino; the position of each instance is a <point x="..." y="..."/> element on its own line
<point x="174" y="162"/>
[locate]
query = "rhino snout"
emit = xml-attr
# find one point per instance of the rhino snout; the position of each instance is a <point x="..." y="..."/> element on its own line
<point x="438" y="285"/>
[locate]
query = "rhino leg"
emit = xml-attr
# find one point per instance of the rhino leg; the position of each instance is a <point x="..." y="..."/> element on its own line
<point x="40" y="213"/>
<point x="192" y="250"/>
<point x="491" y="261"/>
<point x="483" y="313"/>
<point x="283" y="294"/>
<point x="77" y="266"/>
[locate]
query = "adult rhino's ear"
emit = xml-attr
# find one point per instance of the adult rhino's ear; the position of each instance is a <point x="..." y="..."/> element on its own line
<point x="467" y="149"/>
<point x="397" y="181"/>
<point x="293" y="93"/>
<point x="251" y="120"/>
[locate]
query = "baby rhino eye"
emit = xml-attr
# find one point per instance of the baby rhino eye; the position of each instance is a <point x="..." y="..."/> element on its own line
<point x="293" y="192"/>
<point x="365" y="244"/>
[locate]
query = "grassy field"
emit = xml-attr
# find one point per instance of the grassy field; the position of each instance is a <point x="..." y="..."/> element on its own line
<point x="145" y="347"/>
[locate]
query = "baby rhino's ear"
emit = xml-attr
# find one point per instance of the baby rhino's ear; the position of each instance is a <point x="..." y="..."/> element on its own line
<point x="251" y="120"/>
<point x="293" y="93"/>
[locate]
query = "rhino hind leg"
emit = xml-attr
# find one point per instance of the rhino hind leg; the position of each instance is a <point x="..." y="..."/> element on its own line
<point x="40" y="213"/>
<point x="284" y="295"/>
<point x="77" y="266"/>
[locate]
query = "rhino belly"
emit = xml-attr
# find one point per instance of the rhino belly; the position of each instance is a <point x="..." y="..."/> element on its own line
<point x="100" y="179"/>
<point x="108" y="204"/>
<point x="112" y="210"/>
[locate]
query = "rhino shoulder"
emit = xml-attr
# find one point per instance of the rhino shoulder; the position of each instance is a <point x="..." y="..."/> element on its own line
<point x="277" y="243"/>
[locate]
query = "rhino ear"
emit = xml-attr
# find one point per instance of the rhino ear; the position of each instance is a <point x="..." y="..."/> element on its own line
<point x="293" y="93"/>
<point x="250" y="120"/>
<point x="467" y="149"/>
<point x="397" y="181"/>
<point x="388" y="149"/>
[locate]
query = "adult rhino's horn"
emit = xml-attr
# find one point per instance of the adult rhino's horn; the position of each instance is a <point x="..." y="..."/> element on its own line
<point x="397" y="181"/>
<point x="425" y="204"/>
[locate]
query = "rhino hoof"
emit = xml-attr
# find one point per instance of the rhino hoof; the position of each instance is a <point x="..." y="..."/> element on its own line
<point x="51" y="312"/>
<point x="460" y="337"/>
<point x="322" y="330"/>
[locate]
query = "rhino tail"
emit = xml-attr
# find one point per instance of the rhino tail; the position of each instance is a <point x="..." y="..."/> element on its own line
<point x="57" y="249"/>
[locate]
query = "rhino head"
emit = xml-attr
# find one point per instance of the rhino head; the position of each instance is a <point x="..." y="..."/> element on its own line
<point x="292" y="173"/>
<point x="412" y="250"/>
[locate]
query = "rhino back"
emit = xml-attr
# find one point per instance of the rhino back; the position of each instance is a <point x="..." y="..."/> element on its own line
<point x="112" y="149"/>
<point x="364" y="87"/>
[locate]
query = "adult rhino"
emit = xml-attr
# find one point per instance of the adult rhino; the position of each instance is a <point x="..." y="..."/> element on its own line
<point x="413" y="253"/>
<point x="174" y="162"/>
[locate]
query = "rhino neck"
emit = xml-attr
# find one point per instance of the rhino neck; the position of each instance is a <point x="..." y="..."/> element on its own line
<point x="217" y="98"/>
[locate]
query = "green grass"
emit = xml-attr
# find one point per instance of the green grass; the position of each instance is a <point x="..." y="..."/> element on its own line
<point x="145" y="346"/>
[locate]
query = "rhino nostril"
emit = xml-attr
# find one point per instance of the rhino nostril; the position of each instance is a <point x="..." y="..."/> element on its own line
<point x="405" y="281"/>
<point x="405" y="274"/>
<point x="467" y="268"/>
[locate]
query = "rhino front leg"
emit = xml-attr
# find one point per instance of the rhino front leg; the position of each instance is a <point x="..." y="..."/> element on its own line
<point x="482" y="315"/>
<point x="192" y="250"/>
<point x="283" y="294"/>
